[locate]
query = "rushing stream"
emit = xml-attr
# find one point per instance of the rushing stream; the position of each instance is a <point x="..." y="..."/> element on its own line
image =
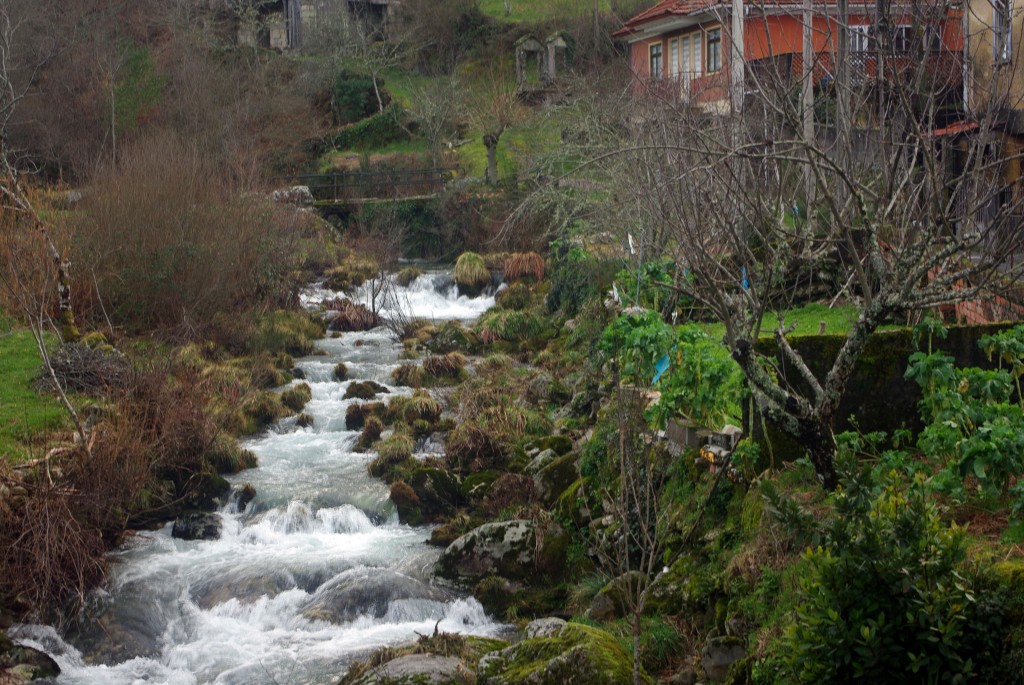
<point x="314" y="572"/>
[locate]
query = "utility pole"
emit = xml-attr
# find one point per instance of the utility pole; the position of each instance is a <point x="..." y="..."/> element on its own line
<point x="807" y="106"/>
<point x="843" y="86"/>
<point x="737" y="63"/>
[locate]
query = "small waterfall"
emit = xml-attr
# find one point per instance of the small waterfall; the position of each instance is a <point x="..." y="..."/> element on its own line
<point x="315" y="572"/>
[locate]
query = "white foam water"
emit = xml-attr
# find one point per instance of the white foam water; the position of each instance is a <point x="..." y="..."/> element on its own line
<point x="315" y="572"/>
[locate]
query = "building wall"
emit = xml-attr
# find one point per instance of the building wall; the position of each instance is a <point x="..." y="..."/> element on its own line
<point x="987" y="82"/>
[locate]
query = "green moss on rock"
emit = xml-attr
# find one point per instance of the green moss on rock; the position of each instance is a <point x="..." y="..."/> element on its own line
<point x="578" y="654"/>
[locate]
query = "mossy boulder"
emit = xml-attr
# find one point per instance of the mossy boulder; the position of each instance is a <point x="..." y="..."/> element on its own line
<point x="418" y="669"/>
<point x="561" y="444"/>
<point x="553" y="479"/>
<point x="471" y="274"/>
<point x="296" y="397"/>
<point x="516" y="550"/>
<point x="476" y="486"/>
<point x="406" y="503"/>
<point x="439" y="492"/>
<point x="364" y="390"/>
<point x="356" y="414"/>
<point x="453" y="337"/>
<point x="575" y="655"/>
<point x="22" y="664"/>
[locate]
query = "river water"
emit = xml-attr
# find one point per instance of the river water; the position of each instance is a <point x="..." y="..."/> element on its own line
<point x="314" y="572"/>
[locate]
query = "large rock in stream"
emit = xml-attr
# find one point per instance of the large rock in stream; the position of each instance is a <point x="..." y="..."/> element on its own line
<point x="22" y="664"/>
<point x="417" y="669"/>
<point x="368" y="592"/>
<point x="505" y="548"/>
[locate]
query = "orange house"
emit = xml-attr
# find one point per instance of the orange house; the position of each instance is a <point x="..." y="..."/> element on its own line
<point x="682" y="48"/>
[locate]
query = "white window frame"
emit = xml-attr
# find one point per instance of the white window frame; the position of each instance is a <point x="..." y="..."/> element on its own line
<point x="673" y="58"/>
<point x="1002" y="30"/>
<point x="859" y="37"/>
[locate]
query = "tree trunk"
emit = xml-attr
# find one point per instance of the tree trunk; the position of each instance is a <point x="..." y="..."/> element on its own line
<point x="491" y="143"/>
<point x="821" y="446"/>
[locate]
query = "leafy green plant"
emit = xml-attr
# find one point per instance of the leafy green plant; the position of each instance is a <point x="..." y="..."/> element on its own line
<point x="975" y="427"/>
<point x="887" y="597"/>
<point x="702" y="382"/>
<point x="637" y="340"/>
<point x="351" y="96"/>
<point x="576" y="276"/>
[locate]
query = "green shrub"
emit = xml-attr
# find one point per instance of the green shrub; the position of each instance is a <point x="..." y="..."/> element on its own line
<point x="575" y="277"/>
<point x="351" y="96"/>
<point x="287" y="331"/>
<point x="372" y="132"/>
<point x="516" y="296"/>
<point x="887" y="597"/>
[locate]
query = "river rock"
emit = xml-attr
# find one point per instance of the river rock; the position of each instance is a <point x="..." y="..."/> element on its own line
<point x="244" y="585"/>
<point x="552" y="480"/>
<point x="439" y="492"/>
<point x="197" y="526"/>
<point x="300" y="196"/>
<point x="505" y="548"/>
<point x="20" y="664"/>
<point x="542" y="459"/>
<point x="366" y="591"/>
<point x="577" y="654"/>
<point x="545" y="627"/>
<point x="719" y="654"/>
<point x="421" y="669"/>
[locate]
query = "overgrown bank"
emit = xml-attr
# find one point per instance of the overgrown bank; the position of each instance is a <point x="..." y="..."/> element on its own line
<point x="557" y="498"/>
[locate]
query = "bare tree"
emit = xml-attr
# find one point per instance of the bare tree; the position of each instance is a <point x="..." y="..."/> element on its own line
<point x="493" y="109"/>
<point x="33" y="267"/>
<point x="433" y="108"/>
<point x="905" y="219"/>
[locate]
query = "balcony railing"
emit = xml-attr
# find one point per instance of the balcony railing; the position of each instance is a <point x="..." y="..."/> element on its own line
<point x="938" y="72"/>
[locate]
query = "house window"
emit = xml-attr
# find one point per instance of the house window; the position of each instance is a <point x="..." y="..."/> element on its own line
<point x="656" y="61"/>
<point x="901" y="37"/>
<point x="1000" y="30"/>
<point x="673" y="57"/>
<point x="860" y="38"/>
<point x="714" y="50"/>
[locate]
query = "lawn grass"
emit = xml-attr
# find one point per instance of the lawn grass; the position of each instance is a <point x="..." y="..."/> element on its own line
<point x="807" y="321"/>
<point x="532" y="11"/>
<point x="26" y="415"/>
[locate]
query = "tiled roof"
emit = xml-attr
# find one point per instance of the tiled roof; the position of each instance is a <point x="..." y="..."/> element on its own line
<point x="664" y="9"/>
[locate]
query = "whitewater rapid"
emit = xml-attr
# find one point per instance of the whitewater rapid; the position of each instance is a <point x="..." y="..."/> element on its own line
<point x="314" y="572"/>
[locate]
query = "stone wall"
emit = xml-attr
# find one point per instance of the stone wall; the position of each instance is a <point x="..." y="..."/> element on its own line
<point x="878" y="398"/>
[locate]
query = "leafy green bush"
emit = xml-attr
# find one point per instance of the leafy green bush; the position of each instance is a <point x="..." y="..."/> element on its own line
<point x="887" y="597"/>
<point x="576" y="277"/>
<point x="637" y="340"/>
<point x="372" y="132"/>
<point x="702" y="382"/>
<point x="974" y="417"/>
<point x="351" y="96"/>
